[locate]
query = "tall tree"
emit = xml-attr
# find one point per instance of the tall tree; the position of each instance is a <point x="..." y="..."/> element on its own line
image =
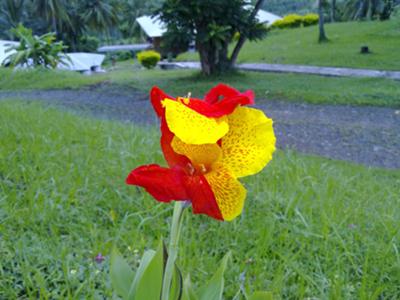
<point x="99" y="15"/>
<point x="212" y="25"/>
<point x="53" y="11"/>
<point x="11" y="13"/>
<point x="322" y="36"/>
<point x="333" y="11"/>
<point x="368" y="9"/>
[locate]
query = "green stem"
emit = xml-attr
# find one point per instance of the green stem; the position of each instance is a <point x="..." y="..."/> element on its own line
<point x="172" y="248"/>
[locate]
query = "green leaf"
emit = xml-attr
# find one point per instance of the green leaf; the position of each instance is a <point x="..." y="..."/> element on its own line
<point x="121" y="274"/>
<point x="144" y="263"/>
<point x="261" y="296"/>
<point x="188" y="292"/>
<point x="214" y="288"/>
<point x="176" y="285"/>
<point x="149" y="284"/>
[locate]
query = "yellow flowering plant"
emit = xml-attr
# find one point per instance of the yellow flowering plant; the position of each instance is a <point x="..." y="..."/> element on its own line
<point x="208" y="144"/>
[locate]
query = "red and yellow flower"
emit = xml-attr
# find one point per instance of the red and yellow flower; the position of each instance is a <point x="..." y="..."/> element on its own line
<point x="208" y="145"/>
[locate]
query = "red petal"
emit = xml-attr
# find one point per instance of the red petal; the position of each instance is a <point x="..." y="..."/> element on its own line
<point x="222" y="91"/>
<point x="219" y="109"/>
<point x="173" y="159"/>
<point x="162" y="183"/>
<point x="156" y="96"/>
<point x="202" y="197"/>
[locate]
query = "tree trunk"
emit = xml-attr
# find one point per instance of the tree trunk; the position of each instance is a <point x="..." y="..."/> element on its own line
<point x="322" y="36"/>
<point x="204" y="60"/>
<point x="242" y="38"/>
<point x="54" y="23"/>
<point x="333" y="11"/>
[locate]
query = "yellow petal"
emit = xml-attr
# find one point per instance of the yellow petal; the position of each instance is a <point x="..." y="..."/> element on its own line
<point x="250" y="142"/>
<point x="228" y="191"/>
<point x="192" y="127"/>
<point x="205" y="154"/>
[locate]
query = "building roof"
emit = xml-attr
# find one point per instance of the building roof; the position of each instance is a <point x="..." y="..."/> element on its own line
<point x="82" y="61"/>
<point x="152" y="26"/>
<point x="132" y="47"/>
<point x="267" y="17"/>
<point x="3" y="46"/>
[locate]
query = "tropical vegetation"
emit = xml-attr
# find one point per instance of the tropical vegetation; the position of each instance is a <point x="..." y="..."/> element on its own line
<point x="35" y="51"/>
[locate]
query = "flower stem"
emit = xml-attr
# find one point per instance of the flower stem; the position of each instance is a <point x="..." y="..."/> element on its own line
<point x="172" y="248"/>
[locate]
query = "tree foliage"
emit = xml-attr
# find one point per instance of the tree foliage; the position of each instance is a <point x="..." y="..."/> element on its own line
<point x="368" y="9"/>
<point x="113" y="20"/>
<point x="212" y="25"/>
<point x="35" y="50"/>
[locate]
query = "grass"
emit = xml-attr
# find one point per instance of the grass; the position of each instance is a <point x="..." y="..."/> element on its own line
<point x="300" y="46"/>
<point x="287" y="87"/>
<point x="45" y="79"/>
<point x="311" y="228"/>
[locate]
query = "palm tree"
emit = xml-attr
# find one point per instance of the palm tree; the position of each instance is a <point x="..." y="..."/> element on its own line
<point x="333" y="11"/>
<point x="131" y="10"/>
<point x="11" y="14"/>
<point x="367" y="9"/>
<point x="54" y="11"/>
<point x="322" y="36"/>
<point x="99" y="15"/>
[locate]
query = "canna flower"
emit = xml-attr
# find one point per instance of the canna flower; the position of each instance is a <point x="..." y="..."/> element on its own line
<point x="208" y="144"/>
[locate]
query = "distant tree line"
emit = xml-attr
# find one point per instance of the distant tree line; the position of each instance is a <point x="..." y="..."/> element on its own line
<point x="80" y="24"/>
<point x="336" y="10"/>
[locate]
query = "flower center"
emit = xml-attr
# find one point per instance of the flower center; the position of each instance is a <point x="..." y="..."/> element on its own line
<point x="197" y="169"/>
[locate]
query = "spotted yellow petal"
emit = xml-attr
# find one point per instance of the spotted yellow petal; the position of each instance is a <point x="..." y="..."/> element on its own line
<point x="205" y="154"/>
<point x="250" y="142"/>
<point x="192" y="127"/>
<point x="228" y="191"/>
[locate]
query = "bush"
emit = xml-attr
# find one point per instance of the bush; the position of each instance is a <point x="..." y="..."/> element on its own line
<point x="148" y="59"/>
<point x="123" y="55"/>
<point x="289" y="21"/>
<point x="294" y="21"/>
<point x="88" y="44"/>
<point x="310" y="19"/>
<point x="35" y="51"/>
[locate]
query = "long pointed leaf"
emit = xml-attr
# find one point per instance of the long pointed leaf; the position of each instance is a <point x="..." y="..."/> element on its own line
<point x="121" y="274"/>
<point x="144" y="263"/>
<point x="150" y="284"/>
<point x="214" y="288"/>
<point x="188" y="292"/>
<point x="176" y="285"/>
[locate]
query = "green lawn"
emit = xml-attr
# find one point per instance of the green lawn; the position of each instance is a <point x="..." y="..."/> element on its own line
<point x="300" y="46"/>
<point x="288" y="87"/>
<point x="312" y="228"/>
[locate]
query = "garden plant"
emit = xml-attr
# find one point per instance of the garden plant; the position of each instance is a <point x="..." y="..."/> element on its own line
<point x="207" y="144"/>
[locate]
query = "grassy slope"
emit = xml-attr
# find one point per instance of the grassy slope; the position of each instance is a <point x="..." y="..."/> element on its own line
<point x="299" y="46"/>
<point x="303" y="88"/>
<point x="311" y="228"/>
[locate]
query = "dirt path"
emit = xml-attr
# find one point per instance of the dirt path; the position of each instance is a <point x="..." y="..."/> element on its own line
<point x="366" y="135"/>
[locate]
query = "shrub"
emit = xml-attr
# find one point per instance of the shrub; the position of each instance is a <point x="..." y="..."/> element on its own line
<point x="123" y="55"/>
<point x="289" y="21"/>
<point x="310" y="19"/>
<point x="149" y="59"/>
<point x="88" y="44"/>
<point x="294" y="21"/>
<point x="33" y="50"/>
